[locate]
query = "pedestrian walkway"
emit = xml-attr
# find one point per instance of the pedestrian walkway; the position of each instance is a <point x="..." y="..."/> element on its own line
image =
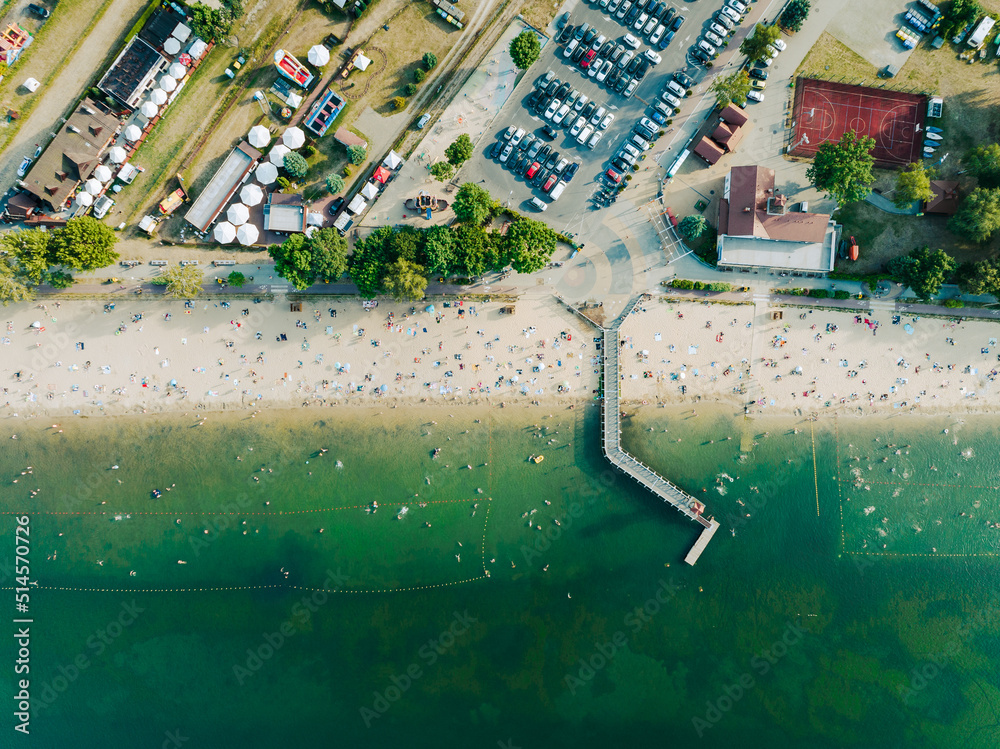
<point x="884" y="204"/>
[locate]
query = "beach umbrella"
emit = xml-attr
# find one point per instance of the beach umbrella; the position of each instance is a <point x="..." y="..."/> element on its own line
<point x="259" y="136"/>
<point x="132" y="133"/>
<point x="277" y="155"/>
<point x="908" y="328"/>
<point x="293" y="137"/>
<point x="117" y="154"/>
<point x="225" y="232"/>
<point x="318" y="55"/>
<point x="102" y="173"/>
<point x="251" y="194"/>
<point x="36" y="324"/>
<point x="429" y="308"/>
<point x="177" y="70"/>
<point x="384" y="388"/>
<point x="266" y="173"/>
<point x="93" y="186"/>
<point x="158" y="96"/>
<point x="171" y="46"/>
<point x="149" y="109"/>
<point x="168" y="83"/>
<point x="237" y="214"/>
<point x="184" y="59"/>
<point x="172" y="383"/>
<point x="84" y="199"/>
<point x="247" y="234"/>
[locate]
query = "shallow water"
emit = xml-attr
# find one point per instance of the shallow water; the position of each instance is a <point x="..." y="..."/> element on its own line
<point x="597" y="636"/>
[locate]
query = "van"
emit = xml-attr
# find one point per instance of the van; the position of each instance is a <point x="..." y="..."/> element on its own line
<point x="677" y="89"/>
<point x="423" y="121"/>
<point x="538" y="204"/>
<point x="101" y="206"/>
<point x="584" y="135"/>
<point x="570" y="48"/>
<point x="557" y="191"/>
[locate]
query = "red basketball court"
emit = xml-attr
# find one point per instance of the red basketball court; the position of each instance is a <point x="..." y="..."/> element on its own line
<point x="824" y="111"/>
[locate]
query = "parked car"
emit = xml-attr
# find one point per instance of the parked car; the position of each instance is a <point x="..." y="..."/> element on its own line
<point x="645" y="132"/>
<point x="701" y="55"/>
<point x="630" y="88"/>
<point x="25" y="164"/>
<point x="665" y="41"/>
<point x="625" y="59"/>
<point x="581" y="102"/>
<point x="552" y="159"/>
<point x="633" y="66"/>
<point x="520" y="166"/>
<point x="577" y="127"/>
<point x="613" y="176"/>
<point x="578" y="53"/>
<point x="101" y="207"/>
<point x="621" y="83"/>
<point x="561" y="114"/>
<point x="607" y="120"/>
<point x="605" y="69"/>
<point x="773" y="51"/>
<point x="495" y="149"/>
<point x="684" y="79"/>
<point x="564" y="36"/>
<point x="760" y="75"/>
<point x="619" y="165"/>
<point x="657" y="34"/>
<point x="662" y="109"/>
<point x="545" y="80"/>
<point x="588" y="110"/>
<point x="631" y="151"/>
<point x="731" y="14"/>
<point x="599" y="42"/>
<point x="617" y="54"/>
<point x="505" y="155"/>
<point x="517" y="136"/>
<point x="668" y="17"/>
<point x="585" y="135"/>
<point x="630" y="41"/>
<point x="631" y="16"/>
<point x="724" y="20"/>
<point x="581" y="31"/>
<point x="599" y="115"/>
<point x="640" y="21"/>
<point x="549" y="133"/>
<point x="737" y="6"/>
<point x="550" y="182"/>
<point x="38" y="10"/>
<point x="571" y="48"/>
<point x="624" y="9"/>
<point x="588" y="57"/>
<point x="614" y="5"/>
<point x="538" y="204"/>
<point x="644" y="65"/>
<point x="571" y="99"/>
<point x="677" y="23"/>
<point x="658" y="118"/>
<point x="595" y="68"/>
<point x="719" y="30"/>
<point x="676" y="89"/>
<point x="758" y="84"/>
<point x="589" y="37"/>
<point x="563" y="163"/>
<point x="714" y="39"/>
<point x="652" y="57"/>
<point x="669" y="97"/>
<point x="543" y="154"/>
<point x="552" y="109"/>
<point x="532" y="152"/>
<point x="568" y="174"/>
<point x="613" y="77"/>
<point x="651" y="25"/>
<point x="707" y="48"/>
<point x="755" y="95"/>
<point x="563" y="90"/>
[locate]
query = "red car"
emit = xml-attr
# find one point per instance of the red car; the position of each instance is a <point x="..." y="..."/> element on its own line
<point x="532" y="170"/>
<point x="550" y="182"/>
<point x="588" y="58"/>
<point x="614" y="176"/>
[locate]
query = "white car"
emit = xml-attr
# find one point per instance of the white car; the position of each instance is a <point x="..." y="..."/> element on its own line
<point x="648" y="124"/>
<point x="23" y="169"/>
<point x="606" y="122"/>
<point x="713" y="38"/>
<point x="625" y="59"/>
<point x="630" y="88"/>
<point x="773" y="51"/>
<point x="731" y="14"/>
<point x="594" y="140"/>
<point x="737" y="6"/>
<point x="658" y="34"/>
<point x="652" y="56"/>
<point x="570" y="48"/>
<point x="598" y="42"/>
<point x="719" y="30"/>
<point x="614" y="5"/>
<point x="624" y="9"/>
<point x="577" y="127"/>
<point x="595" y="68"/>
<point x="640" y="21"/>
<point x="779" y="45"/>
<point x="627" y="156"/>
<point x="599" y="115"/>
<point x="605" y="69"/>
<point x="581" y="102"/>
<point x="506" y="153"/>
<point x="755" y="95"/>
<point x="630" y="150"/>
<point x="670" y="99"/>
<point x="584" y="135"/>
<point x="517" y="137"/>
<point x="553" y="108"/>
<point x="561" y="114"/>
<point x="706" y="48"/>
<point x="630" y="41"/>
<point x="676" y="88"/>
<point x="650" y="26"/>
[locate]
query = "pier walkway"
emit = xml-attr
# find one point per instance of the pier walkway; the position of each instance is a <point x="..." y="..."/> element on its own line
<point x="611" y="441"/>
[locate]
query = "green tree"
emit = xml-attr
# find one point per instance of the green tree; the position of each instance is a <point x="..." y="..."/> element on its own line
<point x="329" y="254"/>
<point x="419" y="74"/>
<point x="404" y="281"/>
<point x="730" y="88"/>
<point x="755" y="45"/>
<point x="29" y="254"/>
<point x="442" y="171"/>
<point x="430" y="60"/>
<point x="474" y="250"/>
<point x="795" y="14"/>
<point x="473" y="204"/>
<point x="369" y="261"/>
<point x="529" y="245"/>
<point x="210" y="23"/>
<point x="525" y="49"/>
<point x="183" y="281"/>
<point x="295" y="165"/>
<point x="399" y="103"/>
<point x="844" y="169"/>
<point x="357" y="154"/>
<point x="236" y="279"/>
<point x="83" y="244"/>
<point x="692" y="226"/>
<point x="983" y="162"/>
<point x="923" y="271"/>
<point x="60" y="279"/>
<point x="293" y="261"/>
<point x="460" y="151"/>
<point x="957" y="13"/>
<point x="440" y="245"/>
<point x="334" y="183"/>
<point x="913" y="184"/>
<point x="410" y="88"/>
<point x="12" y="285"/>
<point x="980" y="278"/>
<point x="979" y="215"/>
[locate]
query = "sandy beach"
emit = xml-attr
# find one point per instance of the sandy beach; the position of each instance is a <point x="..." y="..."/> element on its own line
<point x="86" y="358"/>
<point x="791" y="360"/>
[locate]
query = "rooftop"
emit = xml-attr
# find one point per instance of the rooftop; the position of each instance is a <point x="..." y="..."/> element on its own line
<point x="284" y="213"/>
<point x="227" y="178"/>
<point x="133" y="73"/>
<point x="945" y="198"/>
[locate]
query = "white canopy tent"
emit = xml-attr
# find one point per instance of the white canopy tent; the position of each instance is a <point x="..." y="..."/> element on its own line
<point x="369" y="191"/>
<point x="158" y="96"/>
<point x="168" y="83"/>
<point x="293" y="100"/>
<point x="392" y="161"/>
<point x="197" y="49"/>
<point x="31" y="84"/>
<point x="357" y="204"/>
<point x="318" y="55"/>
<point x="247" y="234"/>
<point x="84" y="199"/>
<point x="314" y="219"/>
<point x="293" y="137"/>
<point x="117" y="154"/>
<point x="277" y="155"/>
<point x="251" y="194"/>
<point x="149" y="109"/>
<point x="224" y="232"/>
<point x="171" y="46"/>
<point x="102" y="173"/>
<point x="238" y="214"/>
<point x="361" y="62"/>
<point x="132" y="133"/>
<point x="266" y="172"/>
<point x="259" y="136"/>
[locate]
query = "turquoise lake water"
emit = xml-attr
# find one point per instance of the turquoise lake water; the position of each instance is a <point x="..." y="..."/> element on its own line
<point x="818" y="624"/>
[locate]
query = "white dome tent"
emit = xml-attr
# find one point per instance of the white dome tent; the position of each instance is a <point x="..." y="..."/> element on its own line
<point x="117" y="154"/>
<point x="318" y="55"/>
<point x="132" y="133"/>
<point x="293" y="138"/>
<point x="102" y="174"/>
<point x="277" y="155"/>
<point x="266" y="173"/>
<point x="247" y="234"/>
<point x="224" y="232"/>
<point x="168" y="83"/>
<point x="158" y="96"/>
<point x="149" y="109"/>
<point x="84" y="199"/>
<point x="177" y="71"/>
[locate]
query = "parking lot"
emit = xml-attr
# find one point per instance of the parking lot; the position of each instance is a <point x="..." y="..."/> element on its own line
<point x="564" y="214"/>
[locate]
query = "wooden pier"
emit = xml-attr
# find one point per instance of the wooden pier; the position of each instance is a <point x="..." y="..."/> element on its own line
<point x="611" y="441"/>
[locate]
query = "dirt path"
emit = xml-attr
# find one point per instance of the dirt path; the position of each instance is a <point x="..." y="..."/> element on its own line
<point x="69" y="84"/>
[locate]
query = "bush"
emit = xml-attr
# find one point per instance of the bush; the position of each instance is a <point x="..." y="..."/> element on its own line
<point x="720" y="286"/>
<point x="310" y="151"/>
<point x="430" y="60"/>
<point x="356" y="154"/>
<point x="954" y="303"/>
<point x="399" y="103"/>
<point x="841" y="294"/>
<point x="60" y="279"/>
<point x="819" y="294"/>
<point x="347" y="170"/>
<point x="411" y="89"/>
<point x="283" y="183"/>
<point x="419" y="74"/>
<point x="680" y="283"/>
